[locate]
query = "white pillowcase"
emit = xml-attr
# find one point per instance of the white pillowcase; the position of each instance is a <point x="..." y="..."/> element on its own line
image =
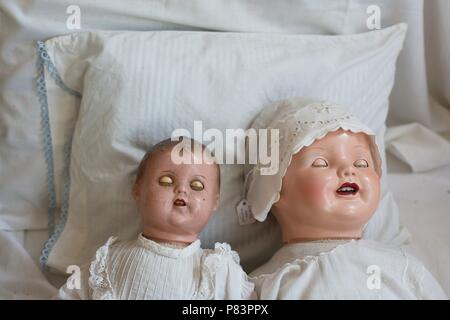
<point x="138" y="87"/>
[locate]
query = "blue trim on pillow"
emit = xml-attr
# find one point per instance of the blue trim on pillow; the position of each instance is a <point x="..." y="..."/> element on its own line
<point x="43" y="62"/>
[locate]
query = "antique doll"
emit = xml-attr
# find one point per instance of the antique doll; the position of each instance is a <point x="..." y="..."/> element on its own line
<point x="166" y="261"/>
<point x="325" y="191"/>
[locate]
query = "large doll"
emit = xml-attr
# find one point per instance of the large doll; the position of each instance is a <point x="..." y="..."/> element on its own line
<point x="325" y="191"/>
<point x="176" y="191"/>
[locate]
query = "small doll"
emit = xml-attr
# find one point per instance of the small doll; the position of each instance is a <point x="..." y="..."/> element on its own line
<point x="325" y="191"/>
<point x="175" y="200"/>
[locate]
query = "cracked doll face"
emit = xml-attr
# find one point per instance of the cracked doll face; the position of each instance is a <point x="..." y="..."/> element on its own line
<point x="176" y="200"/>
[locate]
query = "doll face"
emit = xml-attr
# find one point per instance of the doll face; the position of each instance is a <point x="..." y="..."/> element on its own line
<point x="330" y="189"/>
<point x="176" y="201"/>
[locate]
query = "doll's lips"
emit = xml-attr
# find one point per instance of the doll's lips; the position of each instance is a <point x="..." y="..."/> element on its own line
<point x="179" y="203"/>
<point x="348" y="189"/>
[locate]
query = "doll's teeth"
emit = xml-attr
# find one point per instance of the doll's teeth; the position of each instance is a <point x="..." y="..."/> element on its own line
<point x="346" y="189"/>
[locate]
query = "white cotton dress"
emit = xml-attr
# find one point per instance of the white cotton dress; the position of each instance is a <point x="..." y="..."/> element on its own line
<point x="144" y="269"/>
<point x="344" y="270"/>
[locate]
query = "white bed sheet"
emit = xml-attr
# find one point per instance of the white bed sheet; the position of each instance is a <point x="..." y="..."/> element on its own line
<point x="423" y="200"/>
<point x="424" y="204"/>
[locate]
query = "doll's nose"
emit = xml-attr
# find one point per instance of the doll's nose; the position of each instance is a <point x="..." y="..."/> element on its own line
<point x="180" y="188"/>
<point x="346" y="171"/>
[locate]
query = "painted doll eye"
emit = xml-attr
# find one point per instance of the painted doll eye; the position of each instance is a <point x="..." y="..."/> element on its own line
<point x="361" y="163"/>
<point x="165" y="181"/>
<point x="320" y="163"/>
<point x="197" y="185"/>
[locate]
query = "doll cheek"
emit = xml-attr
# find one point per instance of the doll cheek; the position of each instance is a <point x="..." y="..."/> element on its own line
<point x="158" y="199"/>
<point x="312" y="193"/>
<point x="371" y="187"/>
<point x="196" y="202"/>
<point x="373" y="195"/>
<point x="313" y="184"/>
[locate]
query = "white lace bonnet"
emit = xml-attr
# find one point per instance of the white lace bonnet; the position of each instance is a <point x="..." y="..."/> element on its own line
<point x="300" y="122"/>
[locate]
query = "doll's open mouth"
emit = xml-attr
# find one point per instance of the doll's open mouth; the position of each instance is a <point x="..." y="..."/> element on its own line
<point x="348" y="189"/>
<point x="179" y="203"/>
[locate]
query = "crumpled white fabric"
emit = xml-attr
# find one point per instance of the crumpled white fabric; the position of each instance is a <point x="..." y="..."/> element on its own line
<point x="20" y="276"/>
<point x="419" y="147"/>
<point x="300" y="122"/>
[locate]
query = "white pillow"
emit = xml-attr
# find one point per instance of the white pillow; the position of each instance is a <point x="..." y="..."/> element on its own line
<point x="138" y="87"/>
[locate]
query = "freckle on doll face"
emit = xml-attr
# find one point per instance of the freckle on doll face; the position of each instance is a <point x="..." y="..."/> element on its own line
<point x="176" y="200"/>
<point x="331" y="184"/>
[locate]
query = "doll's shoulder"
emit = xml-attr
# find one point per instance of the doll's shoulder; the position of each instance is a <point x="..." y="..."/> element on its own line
<point x="222" y="252"/>
<point x="99" y="280"/>
<point x="99" y="268"/>
<point x="409" y="268"/>
<point x="391" y="258"/>
<point x="102" y="253"/>
<point x="112" y="241"/>
<point x="224" y="275"/>
<point x="385" y="250"/>
<point x="220" y="259"/>
<point x="114" y="246"/>
<point x="107" y="250"/>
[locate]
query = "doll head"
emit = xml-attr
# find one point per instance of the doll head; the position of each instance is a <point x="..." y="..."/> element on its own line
<point x="328" y="182"/>
<point x="330" y="189"/>
<point x="176" y="199"/>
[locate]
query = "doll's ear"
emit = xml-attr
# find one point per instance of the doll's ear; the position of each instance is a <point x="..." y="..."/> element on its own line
<point x="275" y="206"/>
<point x="135" y="191"/>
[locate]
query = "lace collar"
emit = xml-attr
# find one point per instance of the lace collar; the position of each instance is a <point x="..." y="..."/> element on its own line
<point x="167" y="251"/>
